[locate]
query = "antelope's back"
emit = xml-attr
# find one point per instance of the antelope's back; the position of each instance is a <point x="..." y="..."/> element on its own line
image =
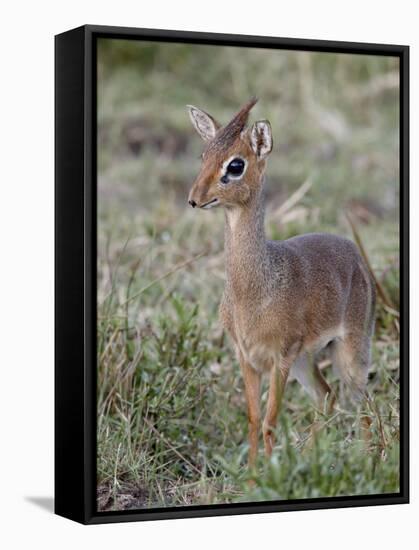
<point x="325" y="275"/>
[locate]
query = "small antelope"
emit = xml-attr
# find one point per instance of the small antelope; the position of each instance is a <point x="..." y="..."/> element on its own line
<point x="283" y="300"/>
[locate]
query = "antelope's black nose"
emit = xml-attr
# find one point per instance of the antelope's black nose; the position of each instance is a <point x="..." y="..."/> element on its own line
<point x="192" y="203"/>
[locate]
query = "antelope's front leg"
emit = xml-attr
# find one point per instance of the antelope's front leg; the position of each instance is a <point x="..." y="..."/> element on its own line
<point x="252" y="389"/>
<point x="277" y="382"/>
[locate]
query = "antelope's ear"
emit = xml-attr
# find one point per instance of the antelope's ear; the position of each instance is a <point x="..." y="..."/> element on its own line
<point x="261" y="138"/>
<point x="204" y="124"/>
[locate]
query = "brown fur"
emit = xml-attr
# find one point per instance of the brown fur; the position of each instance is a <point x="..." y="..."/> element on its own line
<point x="283" y="300"/>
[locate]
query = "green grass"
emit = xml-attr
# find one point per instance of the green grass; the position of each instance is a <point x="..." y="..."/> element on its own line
<point x="172" y="423"/>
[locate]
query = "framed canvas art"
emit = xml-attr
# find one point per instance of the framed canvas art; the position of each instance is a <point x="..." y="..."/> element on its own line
<point x="231" y="274"/>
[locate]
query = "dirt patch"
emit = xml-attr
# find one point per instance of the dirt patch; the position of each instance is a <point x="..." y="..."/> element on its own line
<point x="128" y="496"/>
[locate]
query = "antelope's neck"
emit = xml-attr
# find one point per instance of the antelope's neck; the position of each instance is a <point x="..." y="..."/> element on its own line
<point x="245" y="247"/>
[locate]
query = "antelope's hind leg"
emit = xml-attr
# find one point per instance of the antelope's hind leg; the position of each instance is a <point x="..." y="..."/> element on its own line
<point x="308" y="374"/>
<point x="351" y="360"/>
<point x="352" y="352"/>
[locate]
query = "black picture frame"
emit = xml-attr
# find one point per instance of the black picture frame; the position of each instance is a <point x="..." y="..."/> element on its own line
<point x="75" y="272"/>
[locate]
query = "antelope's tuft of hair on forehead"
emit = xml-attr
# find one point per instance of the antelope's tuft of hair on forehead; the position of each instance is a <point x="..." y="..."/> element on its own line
<point x="227" y="135"/>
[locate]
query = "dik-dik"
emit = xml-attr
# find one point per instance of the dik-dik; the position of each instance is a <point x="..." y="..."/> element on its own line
<point x="283" y="300"/>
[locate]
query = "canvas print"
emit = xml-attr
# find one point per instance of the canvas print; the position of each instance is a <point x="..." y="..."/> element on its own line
<point x="247" y="275"/>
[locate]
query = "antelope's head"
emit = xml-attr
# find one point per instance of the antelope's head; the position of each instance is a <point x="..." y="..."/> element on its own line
<point x="233" y="160"/>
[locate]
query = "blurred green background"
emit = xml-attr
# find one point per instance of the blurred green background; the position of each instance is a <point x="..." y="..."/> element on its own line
<point x="172" y="421"/>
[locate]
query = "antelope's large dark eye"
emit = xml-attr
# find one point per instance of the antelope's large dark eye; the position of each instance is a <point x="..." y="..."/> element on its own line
<point x="235" y="167"/>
